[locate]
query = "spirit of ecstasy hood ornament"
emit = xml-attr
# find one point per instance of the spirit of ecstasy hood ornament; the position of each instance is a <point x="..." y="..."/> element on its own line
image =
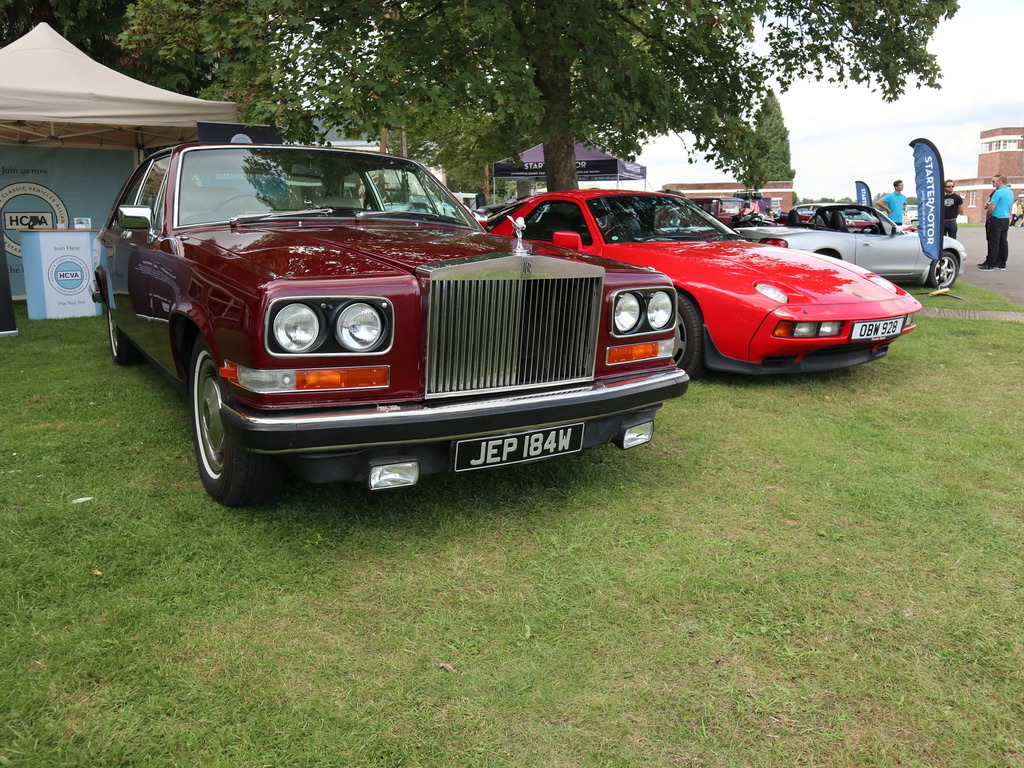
<point x="519" y="225"/>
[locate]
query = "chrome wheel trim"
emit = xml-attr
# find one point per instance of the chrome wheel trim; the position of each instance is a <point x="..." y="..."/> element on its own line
<point x="945" y="271"/>
<point x="206" y="406"/>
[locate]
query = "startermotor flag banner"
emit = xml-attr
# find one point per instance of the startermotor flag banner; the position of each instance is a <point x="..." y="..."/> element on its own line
<point x="863" y="193"/>
<point x="928" y="174"/>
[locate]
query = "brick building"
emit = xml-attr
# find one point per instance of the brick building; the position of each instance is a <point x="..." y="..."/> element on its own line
<point x="1002" y="152"/>
<point x="779" y="192"/>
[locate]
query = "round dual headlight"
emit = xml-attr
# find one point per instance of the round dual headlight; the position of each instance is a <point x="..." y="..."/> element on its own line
<point x="627" y="312"/>
<point x="359" y="327"/>
<point x="659" y="310"/>
<point x="296" y="328"/>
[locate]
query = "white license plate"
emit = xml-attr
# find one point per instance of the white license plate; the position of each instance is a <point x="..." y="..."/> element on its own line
<point x="873" y="330"/>
<point x="484" y="452"/>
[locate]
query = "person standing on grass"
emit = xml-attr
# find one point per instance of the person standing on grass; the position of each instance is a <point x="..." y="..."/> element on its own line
<point x="952" y="206"/>
<point x="997" y="225"/>
<point x="894" y="203"/>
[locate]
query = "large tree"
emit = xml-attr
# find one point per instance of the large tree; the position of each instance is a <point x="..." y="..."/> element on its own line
<point x="608" y="72"/>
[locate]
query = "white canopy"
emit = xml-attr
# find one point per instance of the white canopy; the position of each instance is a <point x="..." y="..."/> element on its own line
<point x="52" y="94"/>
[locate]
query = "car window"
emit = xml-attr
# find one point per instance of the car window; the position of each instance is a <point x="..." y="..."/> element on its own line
<point x="655" y="218"/>
<point x="556" y="216"/>
<point x="218" y="184"/>
<point x="145" y="188"/>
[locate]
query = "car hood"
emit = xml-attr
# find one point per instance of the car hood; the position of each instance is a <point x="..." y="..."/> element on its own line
<point x="314" y="249"/>
<point x="737" y="266"/>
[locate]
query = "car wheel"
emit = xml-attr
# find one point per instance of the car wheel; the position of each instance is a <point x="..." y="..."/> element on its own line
<point x="122" y="350"/>
<point x="231" y="474"/>
<point x="689" y="354"/>
<point x="942" y="273"/>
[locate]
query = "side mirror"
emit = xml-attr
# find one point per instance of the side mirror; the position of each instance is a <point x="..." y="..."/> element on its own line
<point x="134" y="217"/>
<point x="571" y="240"/>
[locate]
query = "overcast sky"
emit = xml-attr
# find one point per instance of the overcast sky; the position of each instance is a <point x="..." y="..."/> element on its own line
<point x="838" y="136"/>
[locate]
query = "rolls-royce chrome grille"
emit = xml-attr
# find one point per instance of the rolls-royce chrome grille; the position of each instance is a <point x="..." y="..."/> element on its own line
<point x="509" y="323"/>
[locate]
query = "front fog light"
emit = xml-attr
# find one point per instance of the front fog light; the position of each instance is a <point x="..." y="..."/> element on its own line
<point x="832" y="328"/>
<point x="634" y="435"/>
<point x="397" y="474"/>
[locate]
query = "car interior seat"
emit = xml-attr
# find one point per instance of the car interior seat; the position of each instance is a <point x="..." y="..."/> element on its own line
<point x="837" y="222"/>
<point x="793" y="218"/>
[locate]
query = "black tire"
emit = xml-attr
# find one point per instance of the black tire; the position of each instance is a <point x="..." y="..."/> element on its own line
<point x="231" y="474"/>
<point x="122" y="351"/>
<point x="943" y="271"/>
<point x="689" y="354"/>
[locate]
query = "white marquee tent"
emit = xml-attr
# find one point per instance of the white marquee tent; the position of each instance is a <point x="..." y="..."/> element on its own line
<point x="52" y="94"/>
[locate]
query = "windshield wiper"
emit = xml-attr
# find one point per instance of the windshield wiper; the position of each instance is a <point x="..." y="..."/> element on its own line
<point x="268" y="215"/>
<point x="405" y="214"/>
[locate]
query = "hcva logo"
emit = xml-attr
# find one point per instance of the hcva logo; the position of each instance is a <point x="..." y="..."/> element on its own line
<point x="28" y="220"/>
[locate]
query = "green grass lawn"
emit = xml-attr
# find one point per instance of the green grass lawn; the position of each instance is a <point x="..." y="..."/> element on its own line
<point x="816" y="570"/>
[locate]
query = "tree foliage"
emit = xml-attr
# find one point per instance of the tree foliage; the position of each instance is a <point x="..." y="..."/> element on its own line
<point x="506" y="74"/>
<point x="94" y="27"/>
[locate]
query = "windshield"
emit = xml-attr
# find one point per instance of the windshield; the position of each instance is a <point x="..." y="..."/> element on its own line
<point x="217" y="184"/>
<point x="653" y="218"/>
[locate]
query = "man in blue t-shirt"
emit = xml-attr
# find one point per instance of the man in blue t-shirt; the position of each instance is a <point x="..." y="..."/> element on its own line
<point x="997" y="225"/>
<point x="894" y="203"/>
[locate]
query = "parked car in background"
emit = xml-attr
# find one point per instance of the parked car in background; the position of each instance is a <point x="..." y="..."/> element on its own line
<point x="910" y="215"/>
<point x="875" y="244"/>
<point x="340" y="314"/>
<point x="743" y="308"/>
<point x="725" y="209"/>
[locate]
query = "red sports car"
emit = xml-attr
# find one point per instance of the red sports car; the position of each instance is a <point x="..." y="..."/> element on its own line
<point x="743" y="307"/>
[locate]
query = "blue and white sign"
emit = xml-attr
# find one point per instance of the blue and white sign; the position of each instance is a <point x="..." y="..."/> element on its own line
<point x="58" y="273"/>
<point x="928" y="175"/>
<point x="863" y="193"/>
<point x="50" y="187"/>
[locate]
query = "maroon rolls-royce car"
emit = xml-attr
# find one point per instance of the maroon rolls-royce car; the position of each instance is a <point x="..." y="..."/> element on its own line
<point x="340" y="314"/>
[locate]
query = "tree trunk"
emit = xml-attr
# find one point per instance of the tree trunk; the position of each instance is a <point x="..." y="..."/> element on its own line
<point x="552" y="75"/>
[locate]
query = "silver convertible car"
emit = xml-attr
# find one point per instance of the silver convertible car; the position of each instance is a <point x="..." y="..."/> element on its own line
<point x="867" y="238"/>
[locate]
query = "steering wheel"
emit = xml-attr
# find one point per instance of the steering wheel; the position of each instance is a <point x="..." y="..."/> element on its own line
<point x="617" y="230"/>
<point x="870" y="229"/>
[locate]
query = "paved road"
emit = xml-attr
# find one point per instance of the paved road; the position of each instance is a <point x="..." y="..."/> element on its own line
<point x="1009" y="283"/>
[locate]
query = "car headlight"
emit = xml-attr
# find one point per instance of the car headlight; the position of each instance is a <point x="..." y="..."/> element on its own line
<point x="359" y="327"/>
<point x="627" y="312"/>
<point x="296" y="328"/>
<point x="883" y="283"/>
<point x="776" y="294"/>
<point x="659" y="310"/>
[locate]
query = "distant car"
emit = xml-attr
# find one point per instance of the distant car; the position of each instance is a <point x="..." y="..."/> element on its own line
<point x="876" y="244"/>
<point x="910" y="214"/>
<point x="806" y="213"/>
<point x="743" y="308"/>
<point x="725" y="209"/>
<point x="340" y="314"/>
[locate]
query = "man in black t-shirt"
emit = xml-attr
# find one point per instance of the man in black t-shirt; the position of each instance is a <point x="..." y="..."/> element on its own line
<point x="952" y="206"/>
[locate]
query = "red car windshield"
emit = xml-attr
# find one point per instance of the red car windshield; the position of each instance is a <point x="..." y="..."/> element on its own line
<point x="655" y="218"/>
